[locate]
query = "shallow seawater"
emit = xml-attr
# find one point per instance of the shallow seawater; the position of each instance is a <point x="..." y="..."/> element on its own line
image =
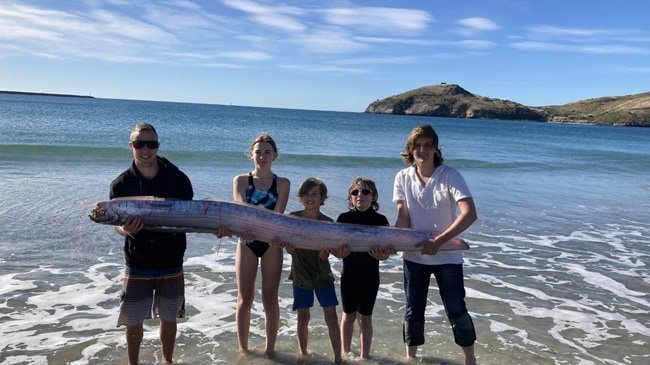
<point x="557" y="272"/>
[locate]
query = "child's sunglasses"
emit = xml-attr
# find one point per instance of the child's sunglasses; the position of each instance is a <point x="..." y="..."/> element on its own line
<point x="356" y="192"/>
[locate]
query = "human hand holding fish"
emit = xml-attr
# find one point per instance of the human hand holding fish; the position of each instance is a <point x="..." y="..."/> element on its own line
<point x="341" y="251"/>
<point x="277" y="242"/>
<point x="246" y="236"/>
<point x="430" y="246"/>
<point x="382" y="253"/>
<point x="223" y="231"/>
<point x="131" y="226"/>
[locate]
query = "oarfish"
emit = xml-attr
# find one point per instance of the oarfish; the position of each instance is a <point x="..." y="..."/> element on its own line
<point x="263" y="224"/>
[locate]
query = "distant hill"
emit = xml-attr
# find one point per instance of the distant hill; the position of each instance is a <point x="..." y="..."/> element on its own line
<point x="450" y="100"/>
<point x="44" y="94"/>
<point x="630" y="110"/>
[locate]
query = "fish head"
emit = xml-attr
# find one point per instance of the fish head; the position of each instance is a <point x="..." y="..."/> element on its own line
<point x="103" y="214"/>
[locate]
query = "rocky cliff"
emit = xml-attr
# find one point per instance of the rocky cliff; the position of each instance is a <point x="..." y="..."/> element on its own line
<point x="450" y="100"/>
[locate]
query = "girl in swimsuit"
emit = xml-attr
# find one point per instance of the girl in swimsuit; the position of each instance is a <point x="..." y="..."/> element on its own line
<point x="259" y="187"/>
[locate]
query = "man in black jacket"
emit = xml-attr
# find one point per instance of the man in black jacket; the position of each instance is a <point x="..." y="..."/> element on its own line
<point x="153" y="283"/>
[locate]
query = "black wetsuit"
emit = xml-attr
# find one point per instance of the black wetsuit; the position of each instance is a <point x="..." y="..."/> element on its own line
<point x="360" y="277"/>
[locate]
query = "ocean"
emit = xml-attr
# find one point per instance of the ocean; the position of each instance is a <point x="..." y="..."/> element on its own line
<point x="557" y="272"/>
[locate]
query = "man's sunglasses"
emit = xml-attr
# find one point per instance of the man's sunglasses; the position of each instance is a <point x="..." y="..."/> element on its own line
<point x="356" y="192"/>
<point x="152" y="145"/>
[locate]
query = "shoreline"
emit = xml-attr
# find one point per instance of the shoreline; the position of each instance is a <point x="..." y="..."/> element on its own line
<point x="45" y="94"/>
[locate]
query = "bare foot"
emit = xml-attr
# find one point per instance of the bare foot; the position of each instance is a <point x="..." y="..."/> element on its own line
<point x="243" y="352"/>
<point x="270" y="354"/>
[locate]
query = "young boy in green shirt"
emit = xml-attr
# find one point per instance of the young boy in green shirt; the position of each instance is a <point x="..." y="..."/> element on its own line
<point x="311" y="272"/>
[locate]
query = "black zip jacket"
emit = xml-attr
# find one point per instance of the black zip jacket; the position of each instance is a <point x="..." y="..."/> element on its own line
<point x="148" y="249"/>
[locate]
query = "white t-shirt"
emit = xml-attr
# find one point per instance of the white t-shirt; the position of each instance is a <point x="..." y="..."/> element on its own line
<point x="431" y="207"/>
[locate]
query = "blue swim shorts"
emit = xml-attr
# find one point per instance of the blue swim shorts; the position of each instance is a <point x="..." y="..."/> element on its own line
<point x="304" y="298"/>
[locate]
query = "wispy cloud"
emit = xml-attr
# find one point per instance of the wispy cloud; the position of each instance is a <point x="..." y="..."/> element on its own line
<point x="325" y="69"/>
<point x="615" y="49"/>
<point x="378" y="60"/>
<point x="549" y="31"/>
<point x="183" y="4"/>
<point x="329" y="40"/>
<point x="640" y="70"/>
<point x="223" y="65"/>
<point x="540" y="46"/>
<point x="584" y="40"/>
<point x="281" y="16"/>
<point x="470" y="27"/>
<point x="336" y="30"/>
<point x="229" y="33"/>
<point x="246" y="55"/>
<point x="475" y="44"/>
<point x="22" y="32"/>
<point x="125" y="27"/>
<point x="182" y="18"/>
<point x="386" y="40"/>
<point x="33" y="24"/>
<point x="98" y="33"/>
<point x="143" y="32"/>
<point x="237" y="56"/>
<point x="378" y="19"/>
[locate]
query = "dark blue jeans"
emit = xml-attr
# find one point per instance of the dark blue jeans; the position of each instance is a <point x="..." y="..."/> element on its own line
<point x="452" y="291"/>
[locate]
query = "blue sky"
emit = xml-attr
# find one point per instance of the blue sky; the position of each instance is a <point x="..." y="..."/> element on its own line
<point x="325" y="55"/>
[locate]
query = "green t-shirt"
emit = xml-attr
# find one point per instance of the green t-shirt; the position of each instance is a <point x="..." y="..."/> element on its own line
<point x="308" y="271"/>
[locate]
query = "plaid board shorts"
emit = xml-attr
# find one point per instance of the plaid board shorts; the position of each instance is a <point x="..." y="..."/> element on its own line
<point x="149" y="294"/>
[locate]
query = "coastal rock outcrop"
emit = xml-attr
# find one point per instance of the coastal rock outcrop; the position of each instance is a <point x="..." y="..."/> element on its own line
<point x="450" y="100"/>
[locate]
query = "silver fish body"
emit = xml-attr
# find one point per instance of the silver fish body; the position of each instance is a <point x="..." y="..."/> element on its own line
<point x="265" y="225"/>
